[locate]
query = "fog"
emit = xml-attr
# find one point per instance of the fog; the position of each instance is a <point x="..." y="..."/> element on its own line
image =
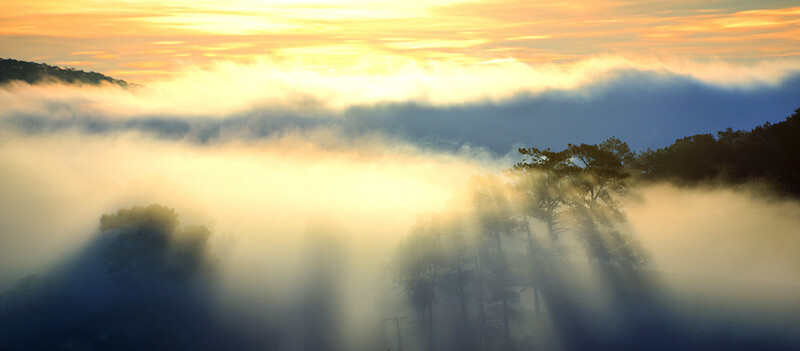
<point x="316" y="219"/>
<point x="738" y="234"/>
<point x="268" y="203"/>
<point x="322" y="238"/>
<point x="497" y="106"/>
<point x="223" y="88"/>
<point x="266" y="190"/>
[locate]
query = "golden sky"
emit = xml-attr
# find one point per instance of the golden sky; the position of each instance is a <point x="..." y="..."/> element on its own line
<point x="143" y="40"/>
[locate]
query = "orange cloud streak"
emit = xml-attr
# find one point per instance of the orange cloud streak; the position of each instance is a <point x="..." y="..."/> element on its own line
<point x="351" y="34"/>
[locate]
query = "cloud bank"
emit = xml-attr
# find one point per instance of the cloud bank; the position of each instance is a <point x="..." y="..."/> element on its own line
<point x="646" y="102"/>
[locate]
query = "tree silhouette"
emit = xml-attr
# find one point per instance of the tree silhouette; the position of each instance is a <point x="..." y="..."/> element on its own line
<point x="420" y="261"/>
<point x="493" y="209"/>
<point x="766" y="154"/>
<point x="544" y="179"/>
<point x="576" y="190"/>
<point x="604" y="171"/>
<point x="148" y="245"/>
<point x="573" y="192"/>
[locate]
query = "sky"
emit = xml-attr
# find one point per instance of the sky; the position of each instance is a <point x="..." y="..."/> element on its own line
<point x="445" y="74"/>
<point x="142" y="40"/>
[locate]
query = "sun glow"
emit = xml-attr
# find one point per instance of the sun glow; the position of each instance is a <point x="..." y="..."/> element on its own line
<point x="127" y="34"/>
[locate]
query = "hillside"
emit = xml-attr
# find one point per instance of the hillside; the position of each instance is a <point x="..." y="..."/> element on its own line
<point x="33" y="73"/>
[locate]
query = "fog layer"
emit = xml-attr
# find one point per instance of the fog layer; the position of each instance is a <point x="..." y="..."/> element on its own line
<point x="339" y="222"/>
<point x="647" y="102"/>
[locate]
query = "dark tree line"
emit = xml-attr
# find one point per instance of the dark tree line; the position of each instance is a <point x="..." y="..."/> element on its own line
<point x="768" y="154"/>
<point x="32" y="73"/>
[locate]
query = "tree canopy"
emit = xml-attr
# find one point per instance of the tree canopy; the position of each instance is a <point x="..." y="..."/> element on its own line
<point x="149" y="243"/>
<point x="766" y="154"/>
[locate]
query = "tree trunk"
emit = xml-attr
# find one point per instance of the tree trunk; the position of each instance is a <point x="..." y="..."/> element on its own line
<point x="481" y="307"/>
<point x="399" y="335"/>
<point x="532" y="256"/>
<point x="430" y="328"/>
<point x="462" y="301"/>
<point x="506" y="324"/>
<point x="504" y="296"/>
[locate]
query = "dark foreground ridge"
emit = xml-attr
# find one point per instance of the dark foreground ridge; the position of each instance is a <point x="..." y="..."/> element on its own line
<point x="35" y="73"/>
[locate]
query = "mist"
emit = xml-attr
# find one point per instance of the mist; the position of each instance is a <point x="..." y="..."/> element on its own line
<point x="316" y="219"/>
<point x="742" y="233"/>
<point x="268" y="203"/>
<point x="496" y="106"/>
<point x="325" y="236"/>
<point x="255" y="190"/>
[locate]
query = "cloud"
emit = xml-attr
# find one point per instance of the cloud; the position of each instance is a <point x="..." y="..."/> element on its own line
<point x="454" y="32"/>
<point x="648" y="103"/>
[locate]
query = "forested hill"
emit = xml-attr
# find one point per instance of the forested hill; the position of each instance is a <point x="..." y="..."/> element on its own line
<point x="32" y="72"/>
<point x="769" y="154"/>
